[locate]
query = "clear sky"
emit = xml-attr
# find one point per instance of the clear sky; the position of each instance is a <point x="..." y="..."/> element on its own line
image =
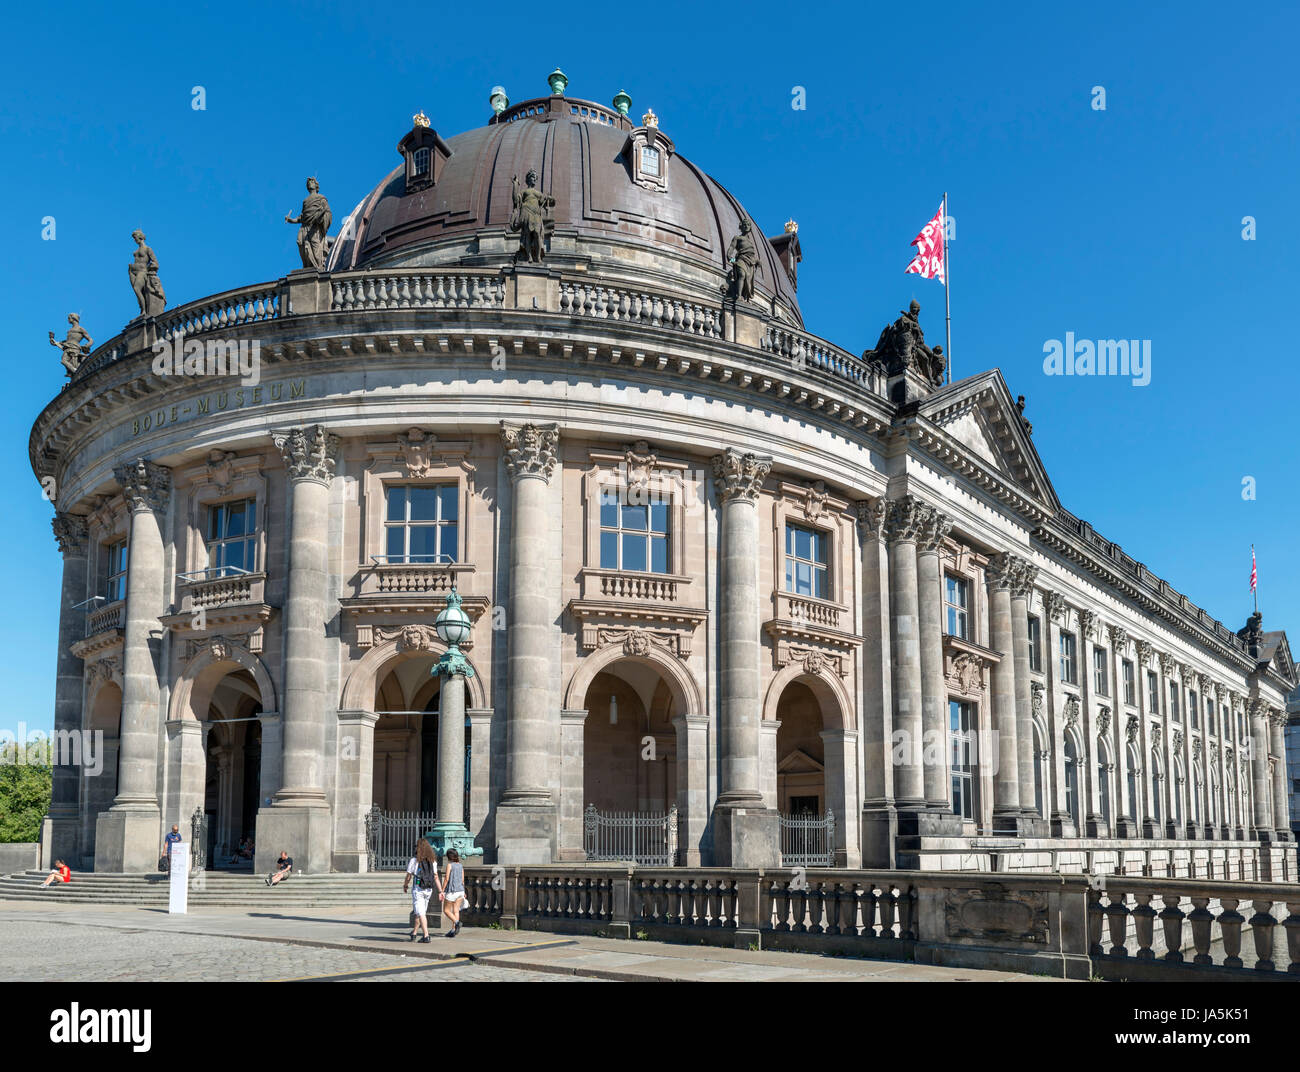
<point x="1117" y="223"/>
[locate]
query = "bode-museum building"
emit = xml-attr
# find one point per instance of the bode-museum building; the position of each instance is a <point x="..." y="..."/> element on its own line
<point x="732" y="595"/>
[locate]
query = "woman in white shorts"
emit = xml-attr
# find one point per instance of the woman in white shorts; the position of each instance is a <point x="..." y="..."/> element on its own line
<point x="452" y="892"/>
<point x="422" y="880"/>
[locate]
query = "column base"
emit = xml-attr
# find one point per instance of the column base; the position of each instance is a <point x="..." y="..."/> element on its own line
<point x="746" y="838"/>
<point x="1062" y="826"/>
<point x="1009" y="823"/>
<point x="60" y="838"/>
<point x="927" y="823"/>
<point x="879" y="836"/>
<point x="1097" y="827"/>
<point x="128" y="839"/>
<point x="305" y="833"/>
<point x="456" y="836"/>
<point x="1152" y="829"/>
<point x="526" y="833"/>
<point x="1126" y="827"/>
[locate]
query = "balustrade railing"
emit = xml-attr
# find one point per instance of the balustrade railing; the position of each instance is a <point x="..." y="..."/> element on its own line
<point x="244" y="306"/>
<point x="417" y="290"/>
<point x="807" y="353"/>
<point x="629" y="306"/>
<point x="204" y="592"/>
<point x="110" y="616"/>
<point x="615" y="584"/>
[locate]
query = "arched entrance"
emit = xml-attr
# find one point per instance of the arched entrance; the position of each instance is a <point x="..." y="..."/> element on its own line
<point x="629" y="741"/>
<point x="800" y="753"/>
<point x="232" y="789"/>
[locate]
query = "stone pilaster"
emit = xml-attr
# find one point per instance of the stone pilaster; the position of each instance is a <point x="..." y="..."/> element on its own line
<point x="572" y="750"/>
<point x="64" y="826"/>
<point x="299" y="819"/>
<point x="745" y="831"/>
<point x="1277" y="745"/>
<point x="354" y="792"/>
<point x="902" y="526"/>
<point x="1022" y="579"/>
<point x="692" y="787"/>
<point x="841" y="750"/>
<point x="1142" y="807"/>
<point x="933" y="529"/>
<point x="129" y="835"/>
<point x="999" y="577"/>
<point x="1125" y="823"/>
<point x="526" y="820"/>
<point x="879" y="817"/>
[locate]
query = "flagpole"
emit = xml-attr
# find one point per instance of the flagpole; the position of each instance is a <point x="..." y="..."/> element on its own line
<point x="1254" y="578"/>
<point x="947" y="285"/>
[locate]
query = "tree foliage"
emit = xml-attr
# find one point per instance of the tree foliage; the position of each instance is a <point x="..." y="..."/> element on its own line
<point x="25" y="791"/>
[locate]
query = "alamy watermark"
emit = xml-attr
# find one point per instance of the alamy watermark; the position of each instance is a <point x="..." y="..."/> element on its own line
<point x="1104" y="357"/>
<point x="212" y="357"/>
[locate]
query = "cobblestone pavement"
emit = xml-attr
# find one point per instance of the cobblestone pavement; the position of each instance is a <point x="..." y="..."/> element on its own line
<point x="33" y="950"/>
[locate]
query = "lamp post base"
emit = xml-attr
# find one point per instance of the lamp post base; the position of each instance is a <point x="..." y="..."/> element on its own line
<point x="456" y="836"/>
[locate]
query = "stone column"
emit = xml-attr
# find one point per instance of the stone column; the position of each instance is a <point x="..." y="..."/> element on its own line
<point x="128" y="836"/>
<point x="299" y="819"/>
<point x="936" y="778"/>
<point x="187" y="774"/>
<point x="354" y="794"/>
<point x="768" y="730"/>
<point x="745" y="830"/>
<point x="692" y="787"/>
<point x="572" y="788"/>
<point x="1142" y="805"/>
<point x="527" y="822"/>
<point x="1022" y="586"/>
<point x="902" y="526"/>
<point x="1124" y="824"/>
<point x="841" y="750"/>
<point x="879" y="818"/>
<point x="64" y="843"/>
<point x="480" y="771"/>
<point x="1056" y="715"/>
<point x="1277" y="745"/>
<point x="999" y="577"/>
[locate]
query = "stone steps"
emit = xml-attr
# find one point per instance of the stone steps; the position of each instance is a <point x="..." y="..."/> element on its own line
<point x="219" y="890"/>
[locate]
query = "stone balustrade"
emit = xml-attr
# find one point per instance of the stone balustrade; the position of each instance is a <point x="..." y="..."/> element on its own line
<point x="110" y="616"/>
<point x="243" y="306"/>
<point x="639" y="307"/>
<point x="808" y="353"/>
<point x="416" y="290"/>
<point x="620" y="584"/>
<point x="1069" y="926"/>
<point x="205" y="593"/>
<point x="809" y="612"/>
<point x="397" y="579"/>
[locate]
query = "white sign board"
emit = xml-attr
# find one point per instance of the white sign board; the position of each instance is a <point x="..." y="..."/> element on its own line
<point x="178" y="869"/>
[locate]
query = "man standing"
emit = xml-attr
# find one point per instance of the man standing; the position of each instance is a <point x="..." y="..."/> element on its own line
<point x="171" y="839"/>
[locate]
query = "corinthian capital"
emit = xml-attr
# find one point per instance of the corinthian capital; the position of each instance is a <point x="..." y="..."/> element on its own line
<point x="1087" y="623"/>
<point x="904" y="518"/>
<point x="309" y="453"/>
<point x="1023" y="577"/>
<point x="871" y="518"/>
<point x="739" y="474"/>
<point x="1144" y="651"/>
<point x="145" y="486"/>
<point x="70" y="532"/>
<point x="1277" y="718"/>
<point x="1002" y="570"/>
<point x="933" y="530"/>
<point x="1054" y="604"/>
<point x="531" y="450"/>
<point x="1118" y="638"/>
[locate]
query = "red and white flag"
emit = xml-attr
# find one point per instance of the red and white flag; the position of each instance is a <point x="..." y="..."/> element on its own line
<point x="1254" y="574"/>
<point x="928" y="261"/>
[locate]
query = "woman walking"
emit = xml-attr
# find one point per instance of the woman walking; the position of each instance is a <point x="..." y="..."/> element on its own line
<point x="452" y="892"/>
<point x="423" y="871"/>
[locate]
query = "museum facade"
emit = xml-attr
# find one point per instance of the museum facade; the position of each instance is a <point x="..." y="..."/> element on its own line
<point x="718" y="569"/>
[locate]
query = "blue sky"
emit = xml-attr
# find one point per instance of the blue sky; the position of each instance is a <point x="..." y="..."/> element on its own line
<point x="1122" y="223"/>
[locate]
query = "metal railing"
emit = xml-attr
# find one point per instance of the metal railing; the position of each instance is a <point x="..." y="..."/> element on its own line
<point x="391" y="837"/>
<point x="644" y="838"/>
<point x="808" y="840"/>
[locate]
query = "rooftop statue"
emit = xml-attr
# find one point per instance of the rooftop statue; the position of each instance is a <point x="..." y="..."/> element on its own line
<point x="1020" y="411"/>
<point x="529" y="217"/>
<point x="75" y="346"/>
<point x="143" y="272"/>
<point x="314" y="219"/>
<point x="742" y="263"/>
<point x="902" y="346"/>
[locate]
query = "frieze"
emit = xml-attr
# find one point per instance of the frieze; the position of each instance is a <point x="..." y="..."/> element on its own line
<point x="635" y="641"/>
<point x="224" y="646"/>
<point x="217" y="401"/>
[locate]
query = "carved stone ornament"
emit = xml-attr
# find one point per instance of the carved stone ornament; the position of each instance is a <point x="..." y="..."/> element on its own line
<point x="1131" y="728"/>
<point x="1036" y="700"/>
<point x="871" y="517"/>
<point x="1054" y="605"/>
<point x="1207" y="685"/>
<point x="933" y="531"/>
<point x="904" y="518"/>
<point x="1118" y="638"/>
<point x="1221" y="693"/>
<point x="220" y="469"/>
<point x="1157" y="736"/>
<point x="1277" y="718"/>
<point x="995" y="913"/>
<point x="1144" y="652"/>
<point x="102" y="671"/>
<point x="145" y="486"/>
<point x="637" y="642"/>
<point x="814" y="662"/>
<point x="410" y="637"/>
<point x="640" y="642"/>
<point x="1169" y="665"/>
<point x="221" y="647"/>
<point x="1196" y="748"/>
<point x="1087" y="623"/>
<point x="1022" y="579"/>
<point x="815" y="497"/>
<point x="417" y="452"/>
<point x="1245" y="765"/>
<point x="530" y="449"/>
<point x="740" y="474"/>
<point x="1103" y="721"/>
<point x="1001" y="571"/>
<point x="70" y="531"/>
<point x="1256" y="708"/>
<point x="968" y="672"/>
<point x="641" y="463"/>
<point x="309" y="453"/>
<point x="1071" y="711"/>
<point x="1176" y="739"/>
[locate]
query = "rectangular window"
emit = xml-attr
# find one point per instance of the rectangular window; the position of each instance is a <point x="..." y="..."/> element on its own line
<point x="961" y="726"/>
<point x="232" y="538"/>
<point x="1209" y="717"/>
<point x="633" y="537"/>
<point x="1153" y="693"/>
<point x="1069" y="662"/>
<point x="806" y="555"/>
<point x="1173" y="701"/>
<point x="421" y="162"/>
<point x="115" y="584"/>
<point x="421" y="523"/>
<point x="1193" y="710"/>
<point x="956" y="605"/>
<point x="1130" y="688"/>
<point x="1036" y="645"/>
<point x="650" y="161"/>
<point x="1100" y="680"/>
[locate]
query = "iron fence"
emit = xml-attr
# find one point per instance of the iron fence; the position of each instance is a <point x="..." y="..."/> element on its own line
<point x="808" y="840"/>
<point x="646" y="838"/>
<point x="391" y="837"/>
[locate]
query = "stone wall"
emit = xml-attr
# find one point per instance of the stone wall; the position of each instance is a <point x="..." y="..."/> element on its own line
<point x="19" y="856"/>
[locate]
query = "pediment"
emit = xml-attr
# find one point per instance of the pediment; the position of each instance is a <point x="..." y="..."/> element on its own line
<point x="799" y="762"/>
<point x="975" y="429"/>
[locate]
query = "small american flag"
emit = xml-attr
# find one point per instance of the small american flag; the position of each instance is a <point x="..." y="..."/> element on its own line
<point x="1254" y="574"/>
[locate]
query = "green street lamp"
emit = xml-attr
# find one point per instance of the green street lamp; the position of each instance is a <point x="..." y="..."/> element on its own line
<point x="557" y="80"/>
<point x="453" y="627"/>
<point x="499" y="101"/>
<point x="622" y="102"/>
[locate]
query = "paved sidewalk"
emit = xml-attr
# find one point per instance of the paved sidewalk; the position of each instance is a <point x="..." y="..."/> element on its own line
<point x="382" y="940"/>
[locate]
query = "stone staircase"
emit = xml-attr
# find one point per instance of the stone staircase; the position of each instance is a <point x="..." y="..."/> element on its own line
<point x="217" y="890"/>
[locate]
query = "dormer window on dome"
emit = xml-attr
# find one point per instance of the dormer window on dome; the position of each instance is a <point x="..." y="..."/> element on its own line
<point x="424" y="152"/>
<point x="646" y="154"/>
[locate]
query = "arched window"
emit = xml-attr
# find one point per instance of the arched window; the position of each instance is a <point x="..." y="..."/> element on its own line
<point x="1213" y="816"/>
<point x="1103" y="782"/>
<point x="1198" y="785"/>
<point x="1157" y="780"/>
<point x="1072" y="780"/>
<point x="1179" y="781"/>
<point x="1134" y="804"/>
<point x="1040" y="774"/>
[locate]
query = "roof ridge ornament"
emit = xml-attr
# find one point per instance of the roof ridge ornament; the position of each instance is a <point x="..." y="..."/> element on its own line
<point x="498" y="100"/>
<point x="558" y="81"/>
<point x="419" y="119"/>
